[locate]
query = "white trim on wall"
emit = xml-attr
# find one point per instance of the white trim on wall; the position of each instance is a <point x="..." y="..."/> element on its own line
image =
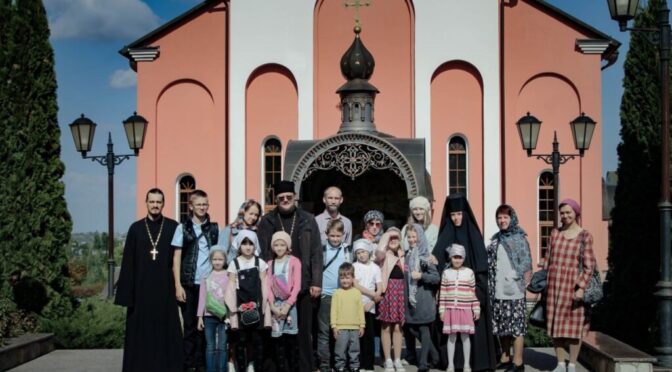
<point x="466" y="30"/>
<point x="261" y="34"/>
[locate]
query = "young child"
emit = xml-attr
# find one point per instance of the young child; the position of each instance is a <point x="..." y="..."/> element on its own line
<point x="212" y="311"/>
<point x="368" y="281"/>
<point x="458" y="305"/>
<point x="347" y="319"/>
<point x="422" y="279"/>
<point x="334" y="254"/>
<point x="247" y="274"/>
<point x="283" y="285"/>
<point x="390" y="255"/>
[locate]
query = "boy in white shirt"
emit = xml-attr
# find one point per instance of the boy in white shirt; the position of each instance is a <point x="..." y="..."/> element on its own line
<point x="368" y="280"/>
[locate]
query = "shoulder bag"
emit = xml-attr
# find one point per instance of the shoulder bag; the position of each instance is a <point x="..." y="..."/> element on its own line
<point x="593" y="292"/>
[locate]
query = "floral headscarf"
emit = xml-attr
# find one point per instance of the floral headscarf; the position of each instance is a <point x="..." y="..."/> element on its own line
<point x="370" y="216"/>
<point x="239" y="223"/>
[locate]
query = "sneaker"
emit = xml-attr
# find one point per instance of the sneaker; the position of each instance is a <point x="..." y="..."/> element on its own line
<point x="389" y="366"/>
<point x="560" y="368"/>
<point x="571" y="367"/>
<point x="250" y="368"/>
<point x="398" y="366"/>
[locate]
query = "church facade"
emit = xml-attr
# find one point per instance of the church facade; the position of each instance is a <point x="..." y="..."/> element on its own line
<point x="230" y="86"/>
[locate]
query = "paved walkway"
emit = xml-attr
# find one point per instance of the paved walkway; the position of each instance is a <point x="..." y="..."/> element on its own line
<point x="540" y="359"/>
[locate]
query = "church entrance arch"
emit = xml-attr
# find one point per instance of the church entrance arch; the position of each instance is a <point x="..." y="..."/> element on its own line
<point x="375" y="189"/>
<point x="371" y="172"/>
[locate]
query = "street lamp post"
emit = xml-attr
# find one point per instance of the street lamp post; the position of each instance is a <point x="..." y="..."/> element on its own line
<point x="83" y="130"/>
<point x="623" y="11"/>
<point x="582" y="131"/>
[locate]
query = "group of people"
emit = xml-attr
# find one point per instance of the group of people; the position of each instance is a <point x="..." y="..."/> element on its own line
<point x="289" y="291"/>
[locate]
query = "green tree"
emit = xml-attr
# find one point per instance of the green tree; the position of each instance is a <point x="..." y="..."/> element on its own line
<point x="35" y="224"/>
<point x="634" y="256"/>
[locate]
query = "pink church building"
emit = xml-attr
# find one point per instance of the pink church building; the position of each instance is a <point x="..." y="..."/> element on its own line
<point x="240" y="94"/>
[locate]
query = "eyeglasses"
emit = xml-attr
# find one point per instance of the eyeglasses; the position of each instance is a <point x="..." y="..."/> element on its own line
<point x="283" y="198"/>
<point x="201" y="205"/>
<point x="373" y="223"/>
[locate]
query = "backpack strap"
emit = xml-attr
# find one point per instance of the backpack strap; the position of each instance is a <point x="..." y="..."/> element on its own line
<point x="324" y="268"/>
<point x="235" y="262"/>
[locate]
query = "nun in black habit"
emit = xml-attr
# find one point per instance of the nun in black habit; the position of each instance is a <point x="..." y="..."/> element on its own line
<point x="469" y="235"/>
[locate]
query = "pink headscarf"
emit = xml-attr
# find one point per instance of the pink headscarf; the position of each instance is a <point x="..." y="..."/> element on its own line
<point x="574" y="205"/>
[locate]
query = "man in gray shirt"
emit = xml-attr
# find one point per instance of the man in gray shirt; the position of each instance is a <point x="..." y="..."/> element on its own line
<point x="333" y="198"/>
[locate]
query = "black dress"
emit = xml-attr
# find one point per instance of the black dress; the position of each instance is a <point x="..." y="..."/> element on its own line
<point x="146" y="287"/>
<point x="468" y="235"/>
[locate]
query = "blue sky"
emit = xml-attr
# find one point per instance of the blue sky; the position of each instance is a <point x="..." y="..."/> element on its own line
<point x="95" y="80"/>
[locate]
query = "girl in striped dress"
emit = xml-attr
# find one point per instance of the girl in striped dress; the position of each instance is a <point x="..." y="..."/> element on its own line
<point x="458" y="305"/>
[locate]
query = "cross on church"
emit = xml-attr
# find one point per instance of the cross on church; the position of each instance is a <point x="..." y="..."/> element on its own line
<point x="357" y="4"/>
<point x="154" y="252"/>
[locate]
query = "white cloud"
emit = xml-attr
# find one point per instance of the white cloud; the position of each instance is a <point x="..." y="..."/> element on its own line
<point x="100" y="19"/>
<point x="121" y="79"/>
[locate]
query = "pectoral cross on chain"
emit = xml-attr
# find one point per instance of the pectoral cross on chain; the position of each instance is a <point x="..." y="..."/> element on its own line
<point x="357" y="4"/>
<point x="154" y="252"/>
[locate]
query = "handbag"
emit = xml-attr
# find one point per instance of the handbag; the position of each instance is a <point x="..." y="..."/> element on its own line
<point x="538" y="282"/>
<point x="593" y="292"/>
<point x="537" y="316"/>
<point x="249" y="314"/>
<point x="213" y="306"/>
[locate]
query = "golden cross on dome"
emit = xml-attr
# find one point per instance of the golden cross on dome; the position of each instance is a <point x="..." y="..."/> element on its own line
<point x="357" y="4"/>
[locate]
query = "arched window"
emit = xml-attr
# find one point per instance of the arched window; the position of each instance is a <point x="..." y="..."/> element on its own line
<point x="457" y="166"/>
<point x="272" y="171"/>
<point x="546" y="211"/>
<point x="187" y="186"/>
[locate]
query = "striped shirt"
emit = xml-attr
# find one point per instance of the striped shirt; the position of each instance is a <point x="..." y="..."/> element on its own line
<point x="458" y="290"/>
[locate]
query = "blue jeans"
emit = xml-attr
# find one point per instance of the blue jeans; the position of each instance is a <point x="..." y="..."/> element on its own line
<point x="215" y="345"/>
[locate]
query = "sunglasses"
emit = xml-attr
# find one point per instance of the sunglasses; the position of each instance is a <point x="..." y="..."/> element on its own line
<point x="283" y="198"/>
<point x="372" y="223"/>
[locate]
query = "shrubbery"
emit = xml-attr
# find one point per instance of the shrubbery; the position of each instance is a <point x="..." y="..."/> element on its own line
<point x="537" y="337"/>
<point x="95" y="324"/>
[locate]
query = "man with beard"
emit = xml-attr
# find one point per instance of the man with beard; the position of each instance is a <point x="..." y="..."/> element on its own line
<point x="333" y="198"/>
<point x="306" y="245"/>
<point x="153" y="340"/>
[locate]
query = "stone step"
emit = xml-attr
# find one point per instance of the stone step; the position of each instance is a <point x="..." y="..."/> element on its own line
<point x="25" y="348"/>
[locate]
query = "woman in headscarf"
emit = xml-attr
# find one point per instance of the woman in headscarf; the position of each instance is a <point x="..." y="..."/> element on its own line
<point x="373" y="226"/>
<point x="509" y="271"/>
<point x="421" y="213"/>
<point x="422" y="279"/>
<point x="458" y="225"/>
<point x="247" y="219"/>
<point x="570" y="266"/>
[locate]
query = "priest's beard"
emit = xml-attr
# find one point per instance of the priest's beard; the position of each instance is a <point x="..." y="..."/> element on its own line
<point x="290" y="210"/>
<point x="153" y="216"/>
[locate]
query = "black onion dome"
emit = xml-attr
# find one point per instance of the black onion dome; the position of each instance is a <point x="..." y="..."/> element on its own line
<point x="357" y="62"/>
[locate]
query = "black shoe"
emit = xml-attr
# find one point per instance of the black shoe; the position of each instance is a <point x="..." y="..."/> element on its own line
<point x="515" y="368"/>
<point x="505" y="365"/>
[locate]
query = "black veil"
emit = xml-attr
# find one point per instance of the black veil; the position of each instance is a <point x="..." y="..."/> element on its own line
<point x="468" y="235"/>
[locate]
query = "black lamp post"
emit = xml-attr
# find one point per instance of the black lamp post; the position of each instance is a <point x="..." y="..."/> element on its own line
<point x="623" y="11"/>
<point x="582" y="131"/>
<point x="83" y="130"/>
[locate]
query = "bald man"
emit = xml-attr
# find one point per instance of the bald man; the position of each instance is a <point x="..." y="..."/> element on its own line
<point x="333" y="198"/>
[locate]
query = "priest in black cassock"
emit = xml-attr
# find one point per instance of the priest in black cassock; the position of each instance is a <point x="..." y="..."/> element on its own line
<point x="153" y="336"/>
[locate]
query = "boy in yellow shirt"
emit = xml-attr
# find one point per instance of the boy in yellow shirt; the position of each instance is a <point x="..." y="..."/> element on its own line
<point x="347" y="319"/>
